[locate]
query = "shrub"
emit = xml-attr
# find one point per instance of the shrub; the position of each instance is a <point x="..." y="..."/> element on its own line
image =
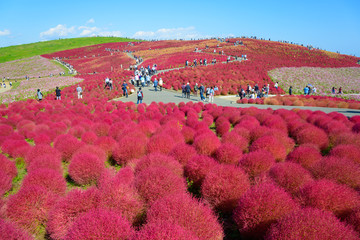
<point x="228" y="153"/>
<point x="223" y="186"/>
<point x="162" y="143"/>
<point x="270" y="144"/>
<point x="261" y="206"/>
<point x="236" y="139"/>
<point x="183" y="152"/>
<point x="305" y="155"/>
<point x="356" y="127"/>
<point x="67" y="144"/>
<point x="197" y="168"/>
<point x="5" y="182"/>
<point x="290" y="176"/>
<point x="29" y="207"/>
<point x="163" y="230"/>
<point x="7" y="166"/>
<point x="100" y="224"/>
<point x="100" y="153"/>
<point x="223" y="128"/>
<point x="129" y="148"/>
<point x="187" y="212"/>
<point x="159" y="160"/>
<point x="68" y="208"/>
<point x="86" y="168"/>
<point x="101" y="129"/>
<point x="327" y="195"/>
<point x="107" y="144"/>
<point x="257" y="162"/>
<point x="47" y="161"/>
<point x="48" y="179"/>
<point x="312" y="224"/>
<point x="12" y="232"/>
<point x="42" y="138"/>
<point x="313" y="135"/>
<point x="40" y="150"/>
<point x="188" y="134"/>
<point x="11" y="147"/>
<point x="351" y="152"/>
<point x="354" y="219"/>
<point x="156" y="182"/>
<point x="89" y="137"/>
<point x="206" y="143"/>
<point x="341" y="170"/>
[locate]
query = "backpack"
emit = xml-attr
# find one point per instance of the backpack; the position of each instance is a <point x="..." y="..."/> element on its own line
<point x="139" y="94"/>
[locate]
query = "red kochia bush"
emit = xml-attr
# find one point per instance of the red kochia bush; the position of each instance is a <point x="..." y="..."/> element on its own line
<point x="49" y="179"/>
<point x="328" y="195"/>
<point x="40" y="150"/>
<point x="313" y="135"/>
<point x="206" y="143"/>
<point x="129" y="148"/>
<point x="197" y="168"/>
<point x="94" y="150"/>
<point x="163" y="230"/>
<point x="68" y="208"/>
<point x="183" y="152"/>
<point x="47" y="161"/>
<point x="89" y="137"/>
<point x="86" y="168"/>
<point x="162" y="143"/>
<point x="7" y="166"/>
<point x="261" y="206"/>
<point x="100" y="224"/>
<point x="270" y="144"/>
<point x="188" y="134"/>
<point x="228" y="153"/>
<point x="234" y="138"/>
<point x="159" y="160"/>
<point x="156" y="182"/>
<point x="290" y="176"/>
<point x="351" y="152"/>
<point x="224" y="185"/>
<point x="187" y="212"/>
<point x="10" y="231"/>
<point x="5" y="183"/>
<point x="305" y="155"/>
<point x="342" y="170"/>
<point x="257" y="162"/>
<point x="354" y="219"/>
<point x="310" y="224"/>
<point x="29" y="207"/>
<point x="67" y="144"/>
<point x="11" y="147"/>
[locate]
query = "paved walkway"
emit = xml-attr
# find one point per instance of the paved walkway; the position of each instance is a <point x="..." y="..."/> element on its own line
<point x="166" y="96"/>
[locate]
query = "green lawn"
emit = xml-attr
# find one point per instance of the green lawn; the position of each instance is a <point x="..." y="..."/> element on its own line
<point x="28" y="50"/>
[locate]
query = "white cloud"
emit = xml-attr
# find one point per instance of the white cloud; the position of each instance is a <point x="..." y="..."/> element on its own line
<point x="5" y="32"/>
<point x="58" y="31"/>
<point x="170" y="33"/>
<point x="110" y="34"/>
<point x="88" y="31"/>
<point x="91" y="20"/>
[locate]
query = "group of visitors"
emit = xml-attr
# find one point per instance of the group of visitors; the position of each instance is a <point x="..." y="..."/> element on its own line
<point x="309" y="89"/>
<point x="333" y="90"/>
<point x="108" y="83"/>
<point x="254" y="92"/>
<point x="143" y="75"/>
<point x="209" y="92"/>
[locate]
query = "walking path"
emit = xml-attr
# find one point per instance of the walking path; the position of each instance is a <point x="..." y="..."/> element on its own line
<point x="167" y="96"/>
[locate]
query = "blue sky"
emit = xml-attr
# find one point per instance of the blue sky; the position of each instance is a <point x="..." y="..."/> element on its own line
<point x="330" y="25"/>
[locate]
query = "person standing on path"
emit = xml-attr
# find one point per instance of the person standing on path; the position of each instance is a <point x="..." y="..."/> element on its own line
<point x="155" y="84"/>
<point x="290" y="90"/>
<point x="183" y="90"/>
<point x="161" y="84"/>
<point x="211" y="95"/>
<point x="79" y="92"/>
<point x="124" y="88"/>
<point x="140" y="96"/>
<point x="188" y="90"/>
<point x="196" y="88"/>
<point x="39" y="95"/>
<point x="58" y="93"/>
<point x="202" y="90"/>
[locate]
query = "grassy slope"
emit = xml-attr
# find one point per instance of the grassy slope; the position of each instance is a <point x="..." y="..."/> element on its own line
<point x="39" y="48"/>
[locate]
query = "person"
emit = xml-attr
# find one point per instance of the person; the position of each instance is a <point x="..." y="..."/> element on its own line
<point x="79" y="92"/>
<point x="110" y="84"/>
<point x="58" y="93"/>
<point x="124" y="88"/>
<point x="290" y="90"/>
<point x="340" y="90"/>
<point x="306" y="90"/>
<point x="155" y="84"/>
<point x="142" y="81"/>
<point x="276" y="85"/>
<point x="140" y="96"/>
<point x="202" y="90"/>
<point x="186" y="63"/>
<point x="106" y="82"/>
<point x="10" y="83"/>
<point x="267" y="89"/>
<point x="39" y="95"/>
<point x="207" y="94"/>
<point x="188" y="90"/>
<point x="161" y="84"/>
<point x="211" y="95"/>
<point x="196" y="88"/>
<point x="183" y="90"/>
<point x="333" y="90"/>
<point x="314" y="90"/>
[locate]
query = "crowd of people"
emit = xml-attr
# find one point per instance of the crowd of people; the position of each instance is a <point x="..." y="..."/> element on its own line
<point x="333" y="90"/>
<point x="254" y="92"/>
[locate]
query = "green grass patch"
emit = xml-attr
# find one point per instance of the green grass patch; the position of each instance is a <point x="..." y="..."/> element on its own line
<point x="17" y="181"/>
<point x="29" y="50"/>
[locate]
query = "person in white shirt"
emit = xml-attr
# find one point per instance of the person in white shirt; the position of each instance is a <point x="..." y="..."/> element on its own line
<point x="79" y="92"/>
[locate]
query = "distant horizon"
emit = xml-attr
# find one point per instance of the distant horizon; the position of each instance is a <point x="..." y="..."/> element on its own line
<point x="328" y="25"/>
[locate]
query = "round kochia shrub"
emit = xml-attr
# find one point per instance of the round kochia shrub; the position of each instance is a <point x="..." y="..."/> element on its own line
<point x="163" y="230"/>
<point x="206" y="143"/>
<point x="270" y="144"/>
<point x="162" y="143"/>
<point x="156" y="182"/>
<point x="49" y="179"/>
<point x="310" y="224"/>
<point x="354" y="219"/>
<point x="236" y="139"/>
<point x="86" y="168"/>
<point x="224" y="185"/>
<point x="129" y="148"/>
<point x="197" y="168"/>
<point x="5" y="183"/>
<point x="100" y="224"/>
<point x="257" y="162"/>
<point x="351" y="152"/>
<point x="7" y="166"/>
<point x="261" y="206"/>
<point x="314" y="136"/>
<point x="187" y="212"/>
<point x="159" y="160"/>
<point x="183" y="152"/>
<point x="67" y="209"/>
<point x="305" y="155"/>
<point x="40" y="150"/>
<point x="10" y="231"/>
<point x="67" y="144"/>
<point x="47" y="161"/>
<point x="328" y="195"/>
<point x="228" y="153"/>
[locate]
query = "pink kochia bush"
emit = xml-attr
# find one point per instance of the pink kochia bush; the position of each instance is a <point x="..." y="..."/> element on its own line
<point x="354" y="219"/>
<point x="129" y="148"/>
<point x="183" y="152"/>
<point x="8" y="166"/>
<point x="261" y="206"/>
<point x="47" y="161"/>
<point x="187" y="212"/>
<point x="257" y="162"/>
<point x="328" y="195"/>
<point x="162" y="143"/>
<point x="5" y="183"/>
<point x="86" y="168"/>
<point x="224" y="185"/>
<point x="100" y="224"/>
<point x="313" y="135"/>
<point x="163" y="230"/>
<point x="156" y="182"/>
<point x="40" y="150"/>
<point x="67" y="209"/>
<point x="228" y="153"/>
<point x="235" y="139"/>
<point x="206" y="143"/>
<point x="159" y="160"/>
<point x="272" y="145"/>
<point x="9" y="230"/>
<point x="305" y="155"/>
<point x="310" y="224"/>
<point x="198" y="167"/>
<point x="351" y="152"/>
<point x="67" y="144"/>
<point x="49" y="179"/>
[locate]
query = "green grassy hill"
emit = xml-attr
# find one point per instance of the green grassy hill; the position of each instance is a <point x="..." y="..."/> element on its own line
<point x="28" y="50"/>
